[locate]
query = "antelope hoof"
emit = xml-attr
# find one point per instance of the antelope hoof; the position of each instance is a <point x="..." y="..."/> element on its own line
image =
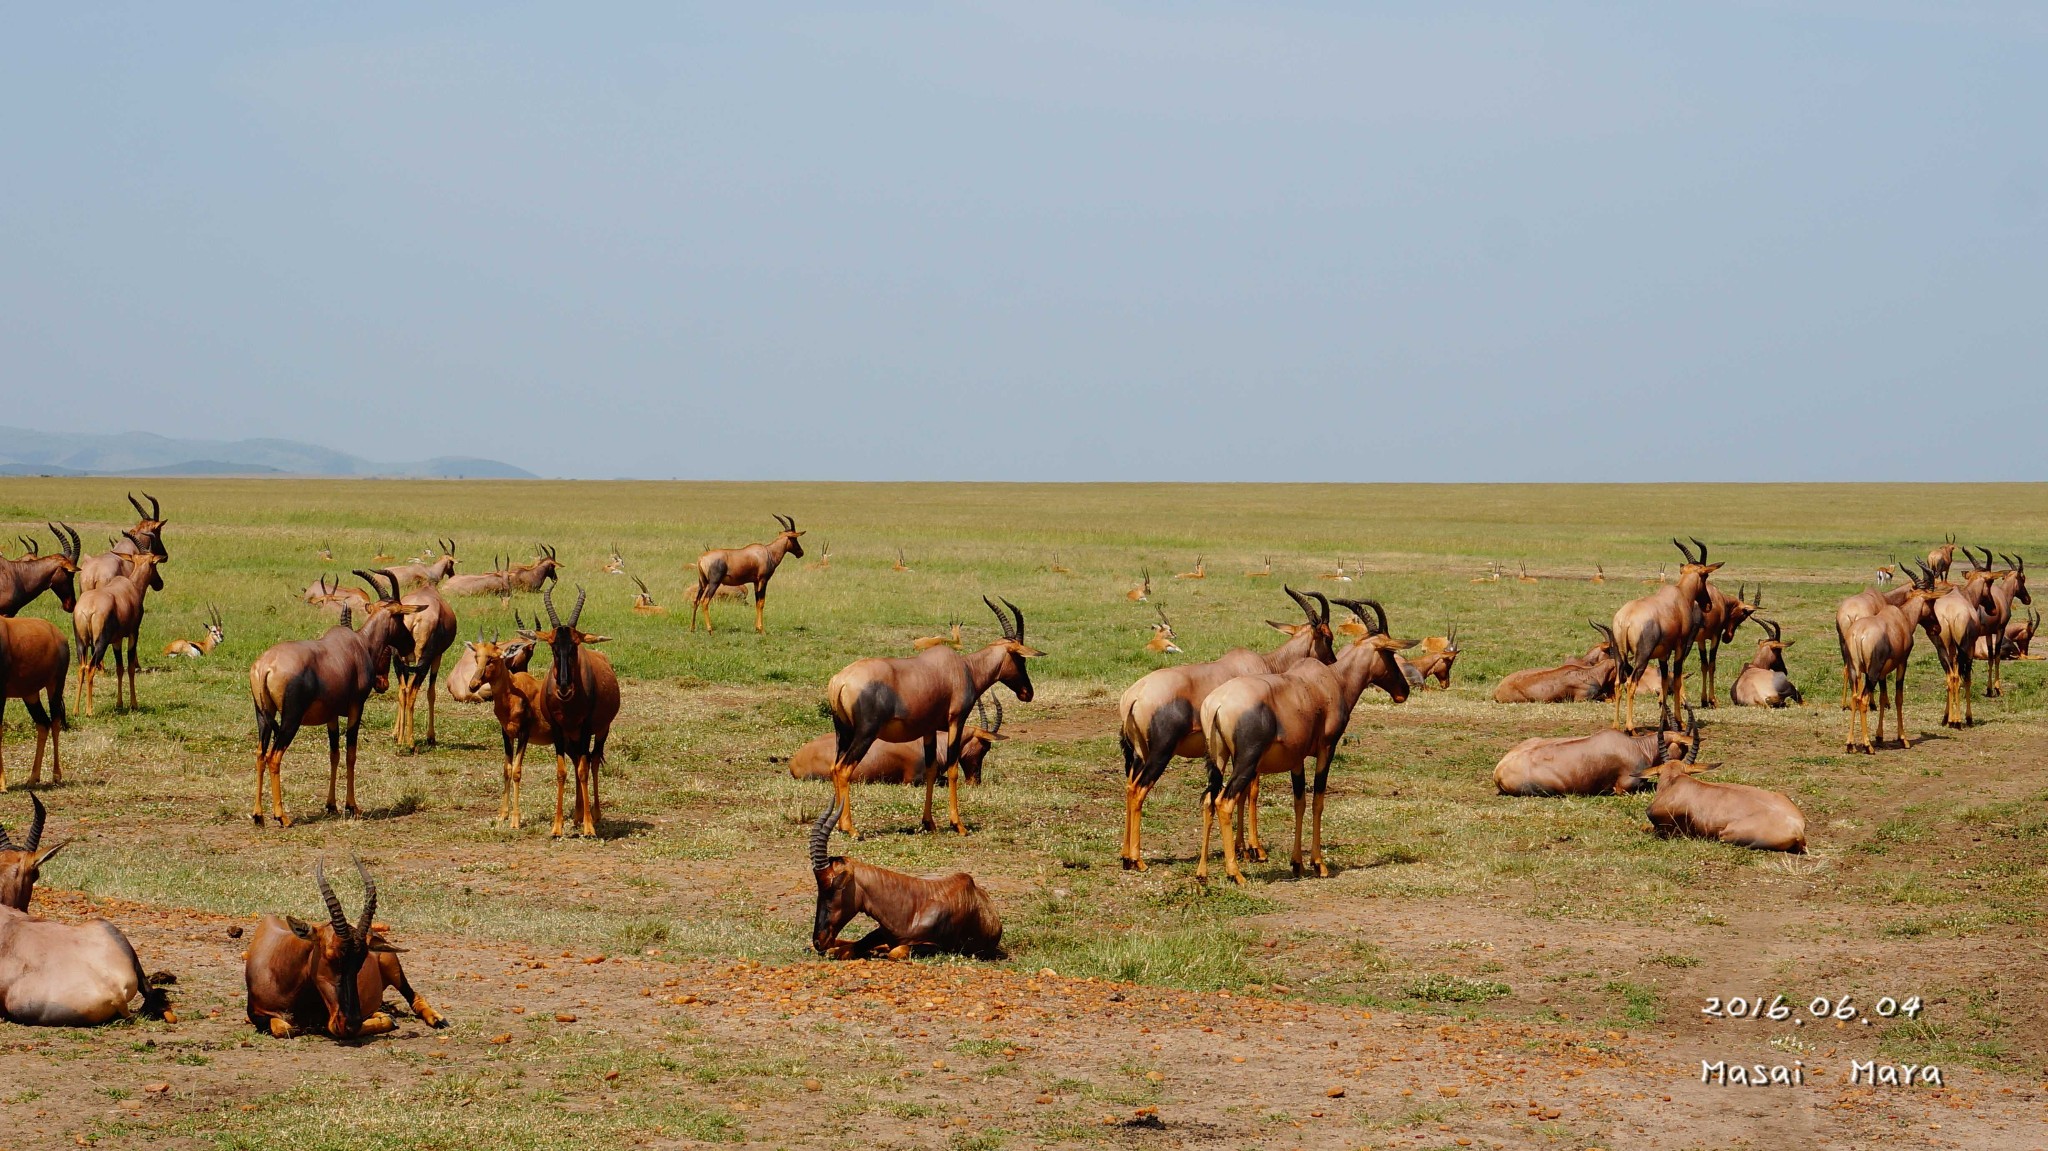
<point x="428" y="1015"/>
<point x="1258" y="854"/>
<point x="1322" y="871"/>
<point x="1297" y="869"/>
<point x="284" y="821"/>
<point x="1237" y="878"/>
<point x="258" y="817"/>
<point x="931" y="825"/>
<point x="279" y="1029"/>
<point x="332" y="809"/>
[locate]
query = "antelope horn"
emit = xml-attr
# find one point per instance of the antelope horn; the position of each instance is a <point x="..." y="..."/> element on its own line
<point x="547" y="600"/>
<point x="7" y="844"/>
<point x="576" y="613"/>
<point x="981" y="713"/>
<point x="1770" y="626"/>
<point x="1606" y="632"/>
<point x="1358" y="608"/>
<point x="1683" y="550"/>
<point x="821" y="836"/>
<point x="348" y="617"/>
<point x="35" y="823"/>
<point x="155" y="509"/>
<point x="1162" y="616"/>
<point x="641" y="584"/>
<point x="335" y="915"/>
<point x="1302" y="601"/>
<point x="1701" y="546"/>
<point x="29" y="547"/>
<point x="999" y="716"/>
<point x="214" y="613"/>
<point x="137" y="506"/>
<point x="1019" y="613"/>
<point x="67" y="541"/>
<point x="369" y="916"/>
<point x="1009" y="630"/>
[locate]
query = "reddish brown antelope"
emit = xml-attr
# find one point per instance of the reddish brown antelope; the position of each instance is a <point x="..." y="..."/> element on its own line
<point x="1599" y="574"/>
<point x="22" y="864"/>
<point x="331" y="595"/>
<point x="1867" y="602"/>
<point x="110" y="616"/>
<point x="753" y="565"/>
<point x="434" y="628"/>
<point x="913" y="699"/>
<point x="2019" y="638"/>
<point x="911" y="915"/>
<point x="1159" y="717"/>
<point x="1729" y="812"/>
<point x="1943" y="555"/>
<point x="497" y="581"/>
<point x="900" y="763"/>
<point x="427" y="571"/>
<point x="1659" y="628"/>
<point x="321" y="977"/>
<point x="1059" y="568"/>
<point x="35" y="661"/>
<point x="1764" y="682"/>
<point x="1604" y="763"/>
<point x="324" y="681"/>
<point x="2007" y="586"/>
<point x="1878" y="646"/>
<point x="1592" y="676"/>
<point x="22" y="580"/>
<point x="1718" y="622"/>
<point x="1162" y="635"/>
<point x="579" y="699"/>
<point x="517" y="655"/>
<point x="543" y="569"/>
<point x="1265" y="724"/>
<point x="900" y="565"/>
<point x="146" y="536"/>
<point x="516" y="702"/>
<point x="1954" y="624"/>
<point x="214" y="635"/>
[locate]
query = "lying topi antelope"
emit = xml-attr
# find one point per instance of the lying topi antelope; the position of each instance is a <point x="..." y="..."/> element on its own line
<point x="517" y="656"/>
<point x="1590" y="677"/>
<point x="543" y="569"/>
<point x="35" y="661"/>
<point x="1730" y="812"/>
<point x="110" y="617"/>
<point x="1604" y="763"/>
<point x="1764" y="682"/>
<point x="24" y="579"/>
<point x="1162" y="634"/>
<point x="330" y="594"/>
<point x="214" y="635"/>
<point x="428" y="570"/>
<point x="912" y="915"/>
<point x="516" y="702"/>
<point x="319" y="977"/>
<point x="2019" y="638"/>
<point x="915" y="698"/>
<point x="901" y="763"/>
<point x="497" y="581"/>
<point x="752" y="565"/>
<point x="1264" y="724"/>
<point x="56" y="974"/>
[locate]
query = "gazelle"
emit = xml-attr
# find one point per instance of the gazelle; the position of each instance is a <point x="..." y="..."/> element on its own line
<point x="1336" y="575"/>
<point x="824" y="560"/>
<point x="947" y="639"/>
<point x="1265" y="570"/>
<point x="1200" y="571"/>
<point x="1599" y="574"/>
<point x="1492" y="574"/>
<point x="1141" y="592"/>
<point x="383" y="555"/>
<point x="326" y="553"/>
<point x="22" y="580"/>
<point x="110" y="617"/>
<point x="1162" y="635"/>
<point x="35" y="661"/>
<point x="643" y="600"/>
<point x="900" y="565"/>
<point x="1059" y="568"/>
<point x="1765" y="682"/>
<point x="1662" y="577"/>
<point x="1525" y="577"/>
<point x="214" y="635"/>
<point x="753" y="565"/>
<point x="615" y="565"/>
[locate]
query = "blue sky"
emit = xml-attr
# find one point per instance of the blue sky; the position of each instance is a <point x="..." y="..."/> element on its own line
<point x="1042" y="241"/>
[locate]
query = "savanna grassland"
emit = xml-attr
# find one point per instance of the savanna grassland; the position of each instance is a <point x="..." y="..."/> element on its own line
<point x="1478" y="971"/>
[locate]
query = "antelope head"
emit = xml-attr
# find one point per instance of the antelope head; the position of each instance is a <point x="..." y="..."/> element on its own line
<point x="384" y="627"/>
<point x="977" y="738"/>
<point x="1740" y="609"/>
<point x="1377" y="648"/>
<point x="565" y="642"/>
<point x="1692" y="575"/>
<point x="216" y="632"/>
<point x="615" y="565"/>
<point x="546" y="563"/>
<point x="1320" y="636"/>
<point x="1162" y="634"/>
<point x="21" y="864"/>
<point x="148" y="532"/>
<point x="2018" y="566"/>
<point x="643" y="600"/>
<point x="790" y="534"/>
<point x="1013" y="673"/>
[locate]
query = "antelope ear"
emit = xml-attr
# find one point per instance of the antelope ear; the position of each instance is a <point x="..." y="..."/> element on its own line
<point x="1396" y="644"/>
<point x="409" y="608"/>
<point x="379" y="943"/>
<point x="984" y="733"/>
<point x="299" y="927"/>
<point x="1025" y="652"/>
<point x="1787" y="642"/>
<point x="596" y="639"/>
<point x="49" y="852"/>
<point x="1714" y="567"/>
<point x="1286" y="628"/>
<point x="806" y="529"/>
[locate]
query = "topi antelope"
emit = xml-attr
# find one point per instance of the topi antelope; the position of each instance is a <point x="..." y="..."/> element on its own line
<point x="579" y="700"/>
<point x="307" y="978"/>
<point x="515" y="701"/>
<point x="946" y="639"/>
<point x="1159" y="717"/>
<point x="912" y="915"/>
<point x="324" y="681"/>
<point x="643" y="600"/>
<point x="915" y="698"/>
<point x="753" y="565"/>
<point x="429" y="570"/>
<point x="1954" y="624"/>
<point x="1878" y="647"/>
<point x="1141" y="592"/>
<point x="1434" y="661"/>
<point x="1200" y="571"/>
<point x="1162" y="635"/>
<point x="110" y="617"/>
<point x="1942" y="556"/>
<point x="1265" y="570"/>
<point x="1764" y="682"/>
<point x="497" y="581"/>
<point x="901" y="763"/>
<point x="517" y="655"/>
<point x="1729" y="812"/>
<point x="214" y="635"/>
<point x="24" y="579"/>
<point x="2007" y="586"/>
<point x="145" y="536"/>
<point x="1719" y="620"/>
<point x="22" y="864"/>
<point x="329" y="593"/>
<point x="1592" y="676"/>
<point x="1864" y="603"/>
<point x="434" y="628"/>
<point x="536" y="574"/>
<point x="1659" y="628"/>
<point x="1265" y="724"/>
<point x="2019" y="637"/>
<point x="1604" y="763"/>
<point x="35" y="661"/>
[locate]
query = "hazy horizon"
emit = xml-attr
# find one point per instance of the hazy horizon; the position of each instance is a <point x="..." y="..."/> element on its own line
<point x="1792" y="241"/>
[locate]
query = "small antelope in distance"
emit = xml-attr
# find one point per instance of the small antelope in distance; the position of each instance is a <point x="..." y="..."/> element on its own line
<point x="1265" y="570"/>
<point x="1525" y="577"/>
<point x="947" y="639"/>
<point x="1592" y="676"/>
<point x="22" y="580"/>
<point x="325" y="680"/>
<point x="643" y="600"/>
<point x="1718" y="623"/>
<point x="1660" y="628"/>
<point x="912" y="915"/>
<point x="320" y="978"/>
<point x="1604" y="763"/>
<point x="1942" y="556"/>
<point x="824" y="560"/>
<point x="1059" y="568"/>
<point x="1162" y="634"/>
<point x="1336" y="574"/>
<point x="1142" y="591"/>
<point x="1729" y="812"/>
<point x="1492" y="574"/>
<point x="1599" y="574"/>
<point x="1264" y="724"/>
<point x="915" y="698"/>
<point x="515" y="701"/>
<point x="1661" y="578"/>
<point x="1200" y="571"/>
<point x="35" y="661"/>
<point x="901" y="763"/>
<point x="615" y="565"/>
<point x="383" y="556"/>
<point x="899" y="565"/>
<point x="580" y="699"/>
<point x="110" y="617"/>
<point x="325" y="554"/>
<point x="429" y="570"/>
<point x="1878" y="647"/>
<point x="145" y="536"/>
<point x="214" y="635"/>
<point x="752" y="565"/>
<point x="1764" y="681"/>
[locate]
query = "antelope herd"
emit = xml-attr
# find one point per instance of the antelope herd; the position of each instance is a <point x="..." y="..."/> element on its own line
<point x="916" y="719"/>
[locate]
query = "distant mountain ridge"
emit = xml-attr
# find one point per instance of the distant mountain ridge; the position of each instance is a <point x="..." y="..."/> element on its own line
<point x="26" y="452"/>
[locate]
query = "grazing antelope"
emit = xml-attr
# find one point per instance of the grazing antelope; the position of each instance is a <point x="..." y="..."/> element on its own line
<point x="1604" y="763"/>
<point x="752" y="565"/>
<point x="1592" y="676"/>
<point x="615" y="565"/>
<point x="1059" y="568"/>
<point x="917" y="697"/>
<point x="1878" y="646"/>
<point x="901" y="763"/>
<point x="1492" y="574"/>
<point x="1660" y="628"/>
<point x="325" y="681"/>
<point x="534" y="575"/>
<point x="1200" y="571"/>
<point x="1141" y="592"/>
<point x="1729" y="812"/>
<point x="643" y="600"/>
<point x="309" y="978"/>
<point x="1719" y="620"/>
<point x="214" y="635"/>
<point x="1764" y="682"/>
<point x="1599" y="574"/>
<point x="434" y="628"/>
<point x="1265" y="570"/>
<point x="1525" y="577"/>
<point x="912" y="915"/>
<point x="55" y="974"/>
<point x="429" y="570"/>
<point x="2007" y="586"/>
<point x="517" y="656"/>
<point x="516" y="702"/>
<point x="1162" y="635"/>
<point x="24" y="579"/>
<point x="1954" y="625"/>
<point x="824" y="560"/>
<point x="1942" y="556"/>
<point x="946" y="639"/>
<point x="110" y="616"/>
<point x="1264" y="724"/>
<point x="1434" y="661"/>
<point x="579" y="699"/>
<point x="1159" y="717"/>
<point x="145" y="536"/>
<point x="35" y="661"/>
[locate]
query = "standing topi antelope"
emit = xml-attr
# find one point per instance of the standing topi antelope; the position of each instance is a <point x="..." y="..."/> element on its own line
<point x="1877" y="648"/>
<point x="308" y="978"/>
<point x="1718" y="622"/>
<point x="900" y="763"/>
<point x="434" y="628"/>
<point x="917" y="697"/>
<point x="752" y="565"/>
<point x="516" y="702"/>
<point x="146" y="536"/>
<point x="1660" y="628"/>
<point x="1764" y="682"/>
<point x="2007" y="586"/>
<point x="214" y="635"/>
<point x="35" y="660"/>
<point x="110" y="616"/>
<point x="579" y="700"/>
<point x="911" y="914"/>
<point x="1867" y="602"/>
<point x="1954" y="624"/>
<point x="24" y="579"/>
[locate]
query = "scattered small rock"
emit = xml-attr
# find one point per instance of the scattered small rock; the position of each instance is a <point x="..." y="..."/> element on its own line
<point x="564" y="1017"/>
<point x="1335" y="1093"/>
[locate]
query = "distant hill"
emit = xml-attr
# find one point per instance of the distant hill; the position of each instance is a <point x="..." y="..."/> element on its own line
<point x="24" y="452"/>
